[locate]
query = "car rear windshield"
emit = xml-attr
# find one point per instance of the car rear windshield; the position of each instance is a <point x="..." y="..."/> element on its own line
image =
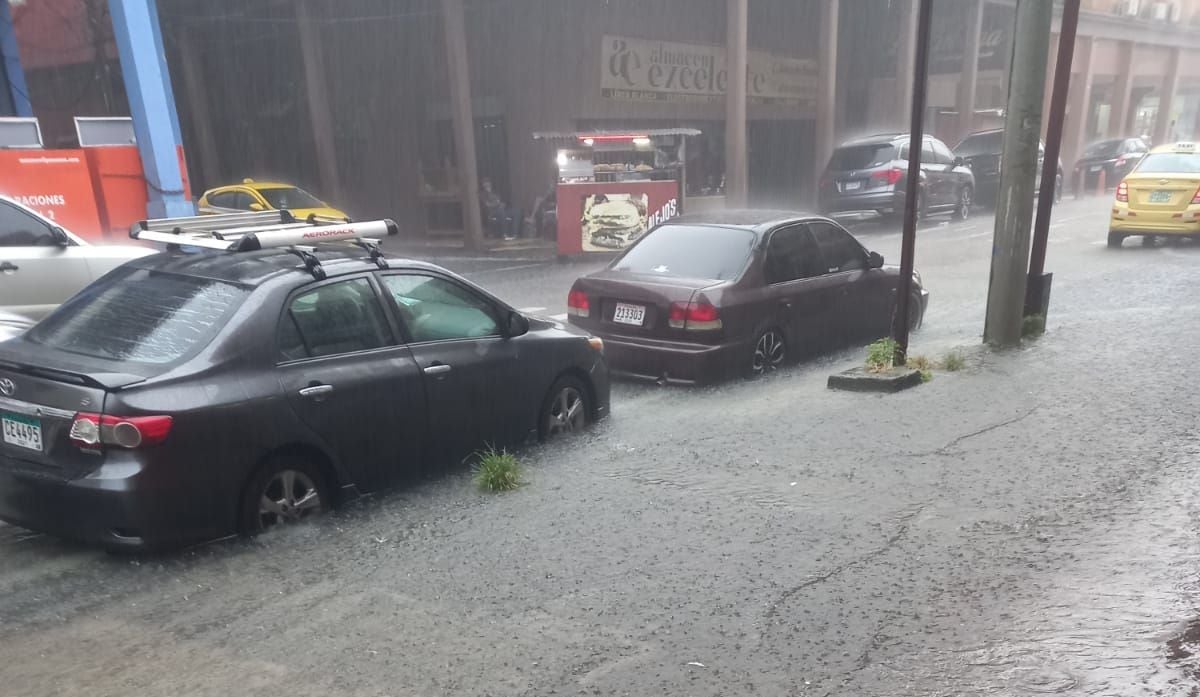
<point x="1170" y="162"/>
<point x="690" y="251"/>
<point x="861" y="156"/>
<point x="980" y="144"/>
<point x="290" y="197"/>
<point x="140" y="316"/>
<point x="1105" y="148"/>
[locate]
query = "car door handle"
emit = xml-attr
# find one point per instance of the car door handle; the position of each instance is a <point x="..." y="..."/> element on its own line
<point x="8" y="267"/>
<point x="437" y="369"/>
<point x="316" y="392"/>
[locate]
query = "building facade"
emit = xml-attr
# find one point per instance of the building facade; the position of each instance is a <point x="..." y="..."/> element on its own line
<point x="354" y="99"/>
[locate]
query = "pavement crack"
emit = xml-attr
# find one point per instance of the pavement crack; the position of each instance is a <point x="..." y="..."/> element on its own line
<point x="945" y="449"/>
<point x="902" y="527"/>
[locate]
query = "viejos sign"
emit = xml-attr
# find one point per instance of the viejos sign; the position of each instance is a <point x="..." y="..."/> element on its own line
<point x="640" y="70"/>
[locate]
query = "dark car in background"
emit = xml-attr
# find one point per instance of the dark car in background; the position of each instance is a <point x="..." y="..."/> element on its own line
<point x="870" y="174"/>
<point x="721" y="294"/>
<point x="183" y="397"/>
<point x="1115" y="157"/>
<point x="982" y="151"/>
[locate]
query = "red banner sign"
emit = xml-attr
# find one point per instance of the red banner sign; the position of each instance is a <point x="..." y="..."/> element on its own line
<point x="55" y="183"/>
<point x="611" y="216"/>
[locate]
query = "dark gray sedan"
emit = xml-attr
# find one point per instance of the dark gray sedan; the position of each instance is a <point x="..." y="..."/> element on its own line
<point x="184" y="397"/>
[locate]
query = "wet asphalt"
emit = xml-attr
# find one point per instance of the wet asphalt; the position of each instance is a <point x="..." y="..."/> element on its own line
<point x="1028" y="525"/>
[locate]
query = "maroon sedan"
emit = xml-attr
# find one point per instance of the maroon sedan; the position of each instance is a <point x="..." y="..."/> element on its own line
<point x="728" y="293"/>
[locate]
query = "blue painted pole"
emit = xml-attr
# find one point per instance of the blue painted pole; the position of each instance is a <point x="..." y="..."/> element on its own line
<point x="14" y="75"/>
<point x="151" y="104"/>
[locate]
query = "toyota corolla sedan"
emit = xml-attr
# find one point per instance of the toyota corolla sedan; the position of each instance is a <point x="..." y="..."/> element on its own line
<point x="184" y="397"/>
<point x="730" y="293"/>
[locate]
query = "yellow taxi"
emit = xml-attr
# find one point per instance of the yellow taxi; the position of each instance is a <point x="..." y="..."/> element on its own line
<point x="264" y="196"/>
<point x="1161" y="196"/>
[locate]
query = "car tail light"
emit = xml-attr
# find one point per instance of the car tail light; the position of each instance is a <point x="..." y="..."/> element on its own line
<point x="578" y="304"/>
<point x="694" y="316"/>
<point x="888" y="176"/>
<point x="91" y="431"/>
<point x="1196" y="198"/>
<point x="1123" y="192"/>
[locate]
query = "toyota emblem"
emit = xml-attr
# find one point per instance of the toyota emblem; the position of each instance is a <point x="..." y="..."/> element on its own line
<point x="7" y="387"/>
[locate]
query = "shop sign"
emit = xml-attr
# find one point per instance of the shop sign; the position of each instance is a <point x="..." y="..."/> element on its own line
<point x="662" y="71"/>
<point x="55" y="183"/>
<point x="610" y="216"/>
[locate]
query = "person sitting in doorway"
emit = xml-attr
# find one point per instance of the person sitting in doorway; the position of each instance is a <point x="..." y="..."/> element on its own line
<point x="499" y="219"/>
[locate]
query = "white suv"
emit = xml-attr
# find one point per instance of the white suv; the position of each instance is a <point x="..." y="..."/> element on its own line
<point x="42" y="264"/>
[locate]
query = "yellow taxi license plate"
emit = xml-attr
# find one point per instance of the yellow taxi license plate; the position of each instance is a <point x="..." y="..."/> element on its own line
<point x="1160" y="196"/>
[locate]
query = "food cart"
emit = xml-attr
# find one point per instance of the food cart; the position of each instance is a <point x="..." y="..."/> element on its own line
<point x="614" y="186"/>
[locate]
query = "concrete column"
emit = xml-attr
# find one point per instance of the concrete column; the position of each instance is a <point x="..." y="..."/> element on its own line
<point x="151" y="104"/>
<point x="1166" y="102"/>
<point x="463" y="119"/>
<point x="1118" y="120"/>
<point x="319" y="114"/>
<point x="905" y="52"/>
<point x="826" y="133"/>
<point x="1078" y="104"/>
<point x="737" y="49"/>
<point x="14" y="76"/>
<point x="970" y="68"/>
<point x="193" y="86"/>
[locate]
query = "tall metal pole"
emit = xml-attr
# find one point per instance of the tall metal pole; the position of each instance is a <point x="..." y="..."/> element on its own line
<point x="1037" y="294"/>
<point x="736" y="52"/>
<point x="916" y="137"/>
<point x="1014" y="203"/>
<point x="463" y="119"/>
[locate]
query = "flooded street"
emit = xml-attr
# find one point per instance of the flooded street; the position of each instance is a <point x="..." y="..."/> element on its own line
<point x="1025" y="526"/>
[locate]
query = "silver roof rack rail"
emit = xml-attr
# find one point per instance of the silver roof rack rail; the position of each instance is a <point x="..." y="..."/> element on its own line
<point x="247" y="232"/>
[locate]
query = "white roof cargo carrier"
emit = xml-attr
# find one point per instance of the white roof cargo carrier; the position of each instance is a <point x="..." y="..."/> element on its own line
<point x="247" y="232"/>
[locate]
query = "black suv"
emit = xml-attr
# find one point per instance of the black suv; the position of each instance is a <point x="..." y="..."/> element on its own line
<point x="870" y="174"/>
<point x="1115" y="157"/>
<point x="981" y="151"/>
<point x="186" y="396"/>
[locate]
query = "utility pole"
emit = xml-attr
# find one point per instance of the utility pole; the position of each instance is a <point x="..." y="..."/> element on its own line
<point x="1014" y="203"/>
<point x="736" y="52"/>
<point x="916" y="138"/>
<point x="1037" y="290"/>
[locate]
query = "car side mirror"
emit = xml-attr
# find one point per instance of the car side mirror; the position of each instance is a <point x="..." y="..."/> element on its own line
<point x="517" y="325"/>
<point x="60" y="236"/>
<point x="959" y="162"/>
<point x="256" y="207"/>
<point x="875" y="260"/>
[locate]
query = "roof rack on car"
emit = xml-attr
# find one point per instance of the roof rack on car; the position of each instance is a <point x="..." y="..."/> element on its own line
<point x="246" y="232"/>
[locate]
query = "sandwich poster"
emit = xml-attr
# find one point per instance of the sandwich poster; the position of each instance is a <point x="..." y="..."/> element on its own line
<point x="613" y="221"/>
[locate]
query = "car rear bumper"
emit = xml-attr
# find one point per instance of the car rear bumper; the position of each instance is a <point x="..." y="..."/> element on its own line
<point x="671" y="361"/>
<point x="881" y="202"/>
<point x="1143" y="222"/>
<point x="116" y="506"/>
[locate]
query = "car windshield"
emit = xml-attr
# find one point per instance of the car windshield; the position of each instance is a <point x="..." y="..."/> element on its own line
<point x="690" y="251"/>
<point x="290" y="197"/>
<point x="980" y="144"/>
<point x="140" y="316"/>
<point x="1105" y="148"/>
<point x="861" y="156"/>
<point x="1170" y="163"/>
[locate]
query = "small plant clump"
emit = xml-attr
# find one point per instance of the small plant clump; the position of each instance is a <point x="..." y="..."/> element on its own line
<point x="880" y="355"/>
<point x="498" y="470"/>
<point x="1033" y="325"/>
<point x="923" y="364"/>
<point x="953" y="361"/>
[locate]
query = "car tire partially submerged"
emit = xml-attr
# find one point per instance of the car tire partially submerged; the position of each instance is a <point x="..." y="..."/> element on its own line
<point x="566" y="410"/>
<point x="284" y="491"/>
<point x="768" y="354"/>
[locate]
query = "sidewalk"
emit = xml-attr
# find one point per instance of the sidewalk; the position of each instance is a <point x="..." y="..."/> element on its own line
<point x="452" y="247"/>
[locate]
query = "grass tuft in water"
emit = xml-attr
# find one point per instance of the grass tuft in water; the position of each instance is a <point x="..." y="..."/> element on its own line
<point x="498" y="470"/>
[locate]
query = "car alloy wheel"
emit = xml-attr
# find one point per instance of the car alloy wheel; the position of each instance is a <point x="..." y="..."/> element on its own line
<point x="289" y="496"/>
<point x="769" y="352"/>
<point x="568" y="411"/>
<point x="963" y="210"/>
